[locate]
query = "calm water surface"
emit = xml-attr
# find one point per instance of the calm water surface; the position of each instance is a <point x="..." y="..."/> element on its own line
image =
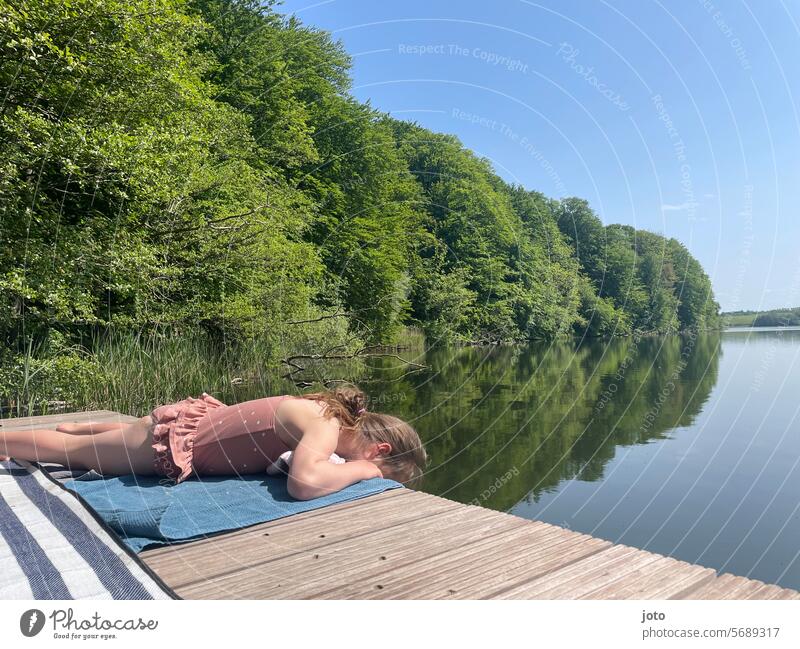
<point x="685" y="446"/>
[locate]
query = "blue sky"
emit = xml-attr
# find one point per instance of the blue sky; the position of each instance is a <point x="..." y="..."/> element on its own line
<point x="676" y="117"/>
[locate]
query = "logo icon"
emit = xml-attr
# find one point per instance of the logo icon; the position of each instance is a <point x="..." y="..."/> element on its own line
<point x="31" y="622"/>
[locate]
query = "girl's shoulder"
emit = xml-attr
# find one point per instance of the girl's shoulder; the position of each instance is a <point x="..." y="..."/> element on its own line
<point x="294" y="415"/>
<point x="291" y="406"/>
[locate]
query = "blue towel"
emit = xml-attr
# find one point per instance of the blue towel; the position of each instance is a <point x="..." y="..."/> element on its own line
<point x="145" y="513"/>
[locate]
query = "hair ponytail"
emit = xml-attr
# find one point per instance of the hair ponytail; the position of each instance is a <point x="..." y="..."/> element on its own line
<point x="346" y="403"/>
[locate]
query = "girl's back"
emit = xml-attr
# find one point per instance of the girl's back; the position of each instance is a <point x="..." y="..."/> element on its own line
<point x="239" y="438"/>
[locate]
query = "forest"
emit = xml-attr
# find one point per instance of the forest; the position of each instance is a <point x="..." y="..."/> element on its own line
<point x="772" y="318"/>
<point x="201" y="166"/>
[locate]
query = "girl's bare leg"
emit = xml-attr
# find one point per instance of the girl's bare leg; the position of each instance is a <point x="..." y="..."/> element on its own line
<point x="119" y="451"/>
<point x="89" y="427"/>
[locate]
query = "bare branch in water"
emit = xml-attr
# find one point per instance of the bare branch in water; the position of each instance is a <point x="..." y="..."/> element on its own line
<point x="363" y="352"/>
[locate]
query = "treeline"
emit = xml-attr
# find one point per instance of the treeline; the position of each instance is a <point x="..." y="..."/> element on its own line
<point x="202" y="163"/>
<point x="773" y="318"/>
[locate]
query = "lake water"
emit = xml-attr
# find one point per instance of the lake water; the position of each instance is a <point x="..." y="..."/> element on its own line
<point x="687" y="446"/>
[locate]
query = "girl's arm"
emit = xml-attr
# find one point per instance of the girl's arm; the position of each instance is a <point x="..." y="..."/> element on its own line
<point x="311" y="474"/>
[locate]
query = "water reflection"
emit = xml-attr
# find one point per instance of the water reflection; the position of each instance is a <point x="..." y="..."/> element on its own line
<point x="506" y="424"/>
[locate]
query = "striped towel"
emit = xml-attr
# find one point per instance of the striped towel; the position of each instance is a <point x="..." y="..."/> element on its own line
<point x="52" y="546"/>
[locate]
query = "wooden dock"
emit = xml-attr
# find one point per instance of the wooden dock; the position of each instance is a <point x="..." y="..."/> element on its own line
<point x="403" y="544"/>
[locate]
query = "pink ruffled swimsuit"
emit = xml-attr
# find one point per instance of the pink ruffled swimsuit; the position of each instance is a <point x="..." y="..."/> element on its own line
<point x="205" y="437"/>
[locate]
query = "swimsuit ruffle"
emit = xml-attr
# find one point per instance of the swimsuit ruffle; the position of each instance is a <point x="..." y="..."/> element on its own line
<point x="174" y="432"/>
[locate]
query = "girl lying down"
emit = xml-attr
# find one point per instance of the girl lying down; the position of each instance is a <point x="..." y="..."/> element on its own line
<point x="334" y="442"/>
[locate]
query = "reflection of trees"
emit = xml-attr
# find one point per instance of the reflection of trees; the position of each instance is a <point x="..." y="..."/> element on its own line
<point x="546" y="412"/>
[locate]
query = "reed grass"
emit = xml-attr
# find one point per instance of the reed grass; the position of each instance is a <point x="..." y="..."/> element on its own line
<point x="132" y="371"/>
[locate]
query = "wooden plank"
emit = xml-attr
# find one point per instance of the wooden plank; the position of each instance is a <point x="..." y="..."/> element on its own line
<point x="469" y="551"/>
<point x="437" y="560"/>
<point x="728" y="586"/>
<point x="767" y="591"/>
<point x="773" y="591"/>
<point x="302" y="573"/>
<point x="478" y="568"/>
<point x="51" y="421"/>
<point x="714" y="589"/>
<point x="680" y="585"/>
<point x="597" y="574"/>
<point x="537" y="551"/>
<point x="293" y="576"/>
<point x="666" y="579"/>
<point x="537" y="564"/>
<point x="742" y="588"/>
<point x="529" y="588"/>
<point x="583" y="576"/>
<point x="186" y="564"/>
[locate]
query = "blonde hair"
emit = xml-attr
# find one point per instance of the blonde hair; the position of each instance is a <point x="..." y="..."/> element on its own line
<point x="407" y="459"/>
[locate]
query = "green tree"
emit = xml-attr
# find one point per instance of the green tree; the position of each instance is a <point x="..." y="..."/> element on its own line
<point x="202" y="163"/>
